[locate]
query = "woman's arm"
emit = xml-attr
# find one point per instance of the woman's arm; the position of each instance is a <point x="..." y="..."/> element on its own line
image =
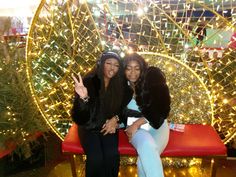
<point x="131" y="130"/>
<point x="80" y="111"/>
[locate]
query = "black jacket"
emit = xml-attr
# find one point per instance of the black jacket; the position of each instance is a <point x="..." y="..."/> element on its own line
<point x="90" y="115"/>
<point x="154" y="97"/>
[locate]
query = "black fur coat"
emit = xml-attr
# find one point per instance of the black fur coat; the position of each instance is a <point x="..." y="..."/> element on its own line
<point x="91" y="115"/>
<point x="154" y="97"/>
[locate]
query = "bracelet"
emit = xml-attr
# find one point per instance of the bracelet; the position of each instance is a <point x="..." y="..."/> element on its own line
<point x="85" y="99"/>
<point x="117" y="118"/>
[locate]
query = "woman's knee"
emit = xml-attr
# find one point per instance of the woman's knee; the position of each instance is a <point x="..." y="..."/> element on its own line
<point x="139" y="135"/>
<point x="143" y="139"/>
<point x="147" y="146"/>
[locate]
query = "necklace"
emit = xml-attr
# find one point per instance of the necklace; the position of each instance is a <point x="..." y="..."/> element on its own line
<point x="132" y="85"/>
<point x="134" y="94"/>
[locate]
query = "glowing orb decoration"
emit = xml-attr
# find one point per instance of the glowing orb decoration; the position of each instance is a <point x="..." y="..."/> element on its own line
<point x="191" y="41"/>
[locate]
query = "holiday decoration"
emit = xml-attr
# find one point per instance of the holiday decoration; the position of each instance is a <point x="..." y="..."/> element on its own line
<point x="20" y="119"/>
<point x="189" y="40"/>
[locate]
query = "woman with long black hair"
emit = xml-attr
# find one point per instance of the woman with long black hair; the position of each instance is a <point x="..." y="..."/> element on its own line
<point x="148" y="134"/>
<point x="101" y="96"/>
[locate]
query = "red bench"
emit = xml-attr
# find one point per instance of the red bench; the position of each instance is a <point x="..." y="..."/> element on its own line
<point x="196" y="141"/>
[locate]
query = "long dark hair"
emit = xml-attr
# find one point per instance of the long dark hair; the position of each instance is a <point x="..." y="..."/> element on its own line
<point x="111" y="97"/>
<point x="143" y="67"/>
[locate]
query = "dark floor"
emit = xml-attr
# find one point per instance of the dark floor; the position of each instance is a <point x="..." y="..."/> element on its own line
<point x="53" y="164"/>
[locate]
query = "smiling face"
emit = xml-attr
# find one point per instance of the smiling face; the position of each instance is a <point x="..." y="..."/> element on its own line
<point x="111" y="67"/>
<point x="132" y="71"/>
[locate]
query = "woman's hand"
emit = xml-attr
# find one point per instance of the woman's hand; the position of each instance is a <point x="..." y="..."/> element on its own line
<point x="80" y="89"/>
<point x="131" y="130"/>
<point x="110" y="126"/>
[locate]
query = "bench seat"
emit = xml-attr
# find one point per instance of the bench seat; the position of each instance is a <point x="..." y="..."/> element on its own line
<point x="196" y="141"/>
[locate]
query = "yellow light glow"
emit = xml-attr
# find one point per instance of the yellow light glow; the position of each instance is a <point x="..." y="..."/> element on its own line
<point x="160" y="36"/>
<point x="225" y="101"/>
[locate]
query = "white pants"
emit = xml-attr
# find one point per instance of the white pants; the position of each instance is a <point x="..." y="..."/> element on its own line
<point x="149" y="145"/>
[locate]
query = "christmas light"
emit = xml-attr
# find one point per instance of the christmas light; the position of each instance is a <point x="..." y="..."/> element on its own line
<point x="167" y="34"/>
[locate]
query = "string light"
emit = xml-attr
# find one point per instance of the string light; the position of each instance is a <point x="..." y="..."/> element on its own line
<point x="202" y="88"/>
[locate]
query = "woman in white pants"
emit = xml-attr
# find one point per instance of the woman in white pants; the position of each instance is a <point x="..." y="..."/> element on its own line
<point x="149" y="134"/>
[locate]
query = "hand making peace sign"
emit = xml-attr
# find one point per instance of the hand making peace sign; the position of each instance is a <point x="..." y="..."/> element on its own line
<point x="80" y="89"/>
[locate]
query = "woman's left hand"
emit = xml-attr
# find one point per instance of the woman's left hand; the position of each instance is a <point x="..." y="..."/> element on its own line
<point x="131" y="130"/>
<point x="110" y="126"/>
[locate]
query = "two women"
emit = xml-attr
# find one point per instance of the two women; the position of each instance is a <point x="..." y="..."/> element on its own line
<point x="101" y="98"/>
<point x="151" y="97"/>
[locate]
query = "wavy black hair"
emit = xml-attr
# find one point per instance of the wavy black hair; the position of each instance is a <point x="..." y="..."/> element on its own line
<point x="143" y="67"/>
<point x="111" y="97"/>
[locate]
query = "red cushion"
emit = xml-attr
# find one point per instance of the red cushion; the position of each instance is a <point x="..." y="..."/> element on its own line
<point x="196" y="140"/>
<point x="125" y="148"/>
<point x="71" y="142"/>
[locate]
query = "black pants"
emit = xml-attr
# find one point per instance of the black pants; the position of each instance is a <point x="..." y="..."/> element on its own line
<point x="102" y="153"/>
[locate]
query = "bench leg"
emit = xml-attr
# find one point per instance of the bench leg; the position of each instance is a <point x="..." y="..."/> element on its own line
<point x="73" y="166"/>
<point x="217" y="163"/>
<point x="214" y="167"/>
